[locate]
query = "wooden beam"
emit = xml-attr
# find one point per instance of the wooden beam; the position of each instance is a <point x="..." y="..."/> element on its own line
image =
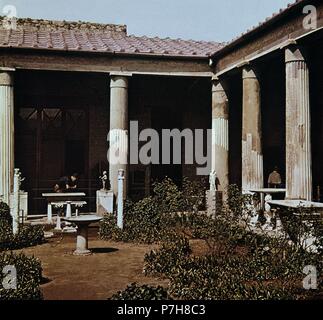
<point x="266" y="42"/>
<point x="62" y="61"/>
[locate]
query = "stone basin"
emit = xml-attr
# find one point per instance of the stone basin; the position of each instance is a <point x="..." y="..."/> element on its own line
<point x="86" y="219"/>
<point x="83" y="223"/>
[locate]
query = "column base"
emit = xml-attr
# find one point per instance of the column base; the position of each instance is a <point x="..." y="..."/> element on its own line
<point x="82" y="253"/>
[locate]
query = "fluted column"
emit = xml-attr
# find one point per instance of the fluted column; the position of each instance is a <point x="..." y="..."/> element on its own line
<point x="220" y="134"/>
<point x="118" y="156"/>
<point x="252" y="156"/>
<point x="6" y="134"/>
<point x="298" y="126"/>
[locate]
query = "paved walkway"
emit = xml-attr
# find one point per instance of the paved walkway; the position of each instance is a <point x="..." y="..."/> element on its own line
<point x="111" y="268"/>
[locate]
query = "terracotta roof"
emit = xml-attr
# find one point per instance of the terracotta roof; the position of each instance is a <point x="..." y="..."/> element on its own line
<point x="90" y="37"/>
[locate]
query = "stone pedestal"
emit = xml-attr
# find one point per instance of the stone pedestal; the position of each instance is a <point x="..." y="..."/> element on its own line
<point x="220" y="134"/>
<point x="104" y="202"/>
<point x="82" y="241"/>
<point x="298" y="126"/>
<point x="23" y="205"/>
<point x="6" y="135"/>
<point x="82" y="224"/>
<point x="252" y="157"/>
<point x="214" y="202"/>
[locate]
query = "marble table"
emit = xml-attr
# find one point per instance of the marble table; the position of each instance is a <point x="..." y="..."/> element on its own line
<point x="296" y="204"/>
<point x="266" y="191"/>
<point x="265" y="198"/>
<point x="83" y="223"/>
<point x="59" y="200"/>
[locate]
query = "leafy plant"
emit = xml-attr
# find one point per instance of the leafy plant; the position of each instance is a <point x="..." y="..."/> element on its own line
<point x="29" y="276"/>
<point x="240" y="264"/>
<point x="154" y="218"/>
<point x="5" y="212"/>
<point x="144" y="292"/>
<point x="162" y="261"/>
<point x="27" y="236"/>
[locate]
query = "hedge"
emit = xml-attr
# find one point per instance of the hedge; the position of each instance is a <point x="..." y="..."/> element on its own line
<point x="27" y="235"/>
<point x="29" y="276"/>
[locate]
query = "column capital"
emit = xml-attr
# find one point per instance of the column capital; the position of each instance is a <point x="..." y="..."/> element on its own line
<point x="118" y="81"/>
<point x="287" y="43"/>
<point x="249" y="72"/>
<point x="218" y="85"/>
<point x="6" y="78"/>
<point x="294" y="53"/>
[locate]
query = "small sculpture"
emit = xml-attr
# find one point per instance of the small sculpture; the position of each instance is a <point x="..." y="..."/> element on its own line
<point x="104" y="179"/>
<point x="214" y="181"/>
<point x="268" y="197"/>
<point x="18" y="174"/>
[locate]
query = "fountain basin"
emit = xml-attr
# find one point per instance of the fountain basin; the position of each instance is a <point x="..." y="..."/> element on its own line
<point x="83" y="223"/>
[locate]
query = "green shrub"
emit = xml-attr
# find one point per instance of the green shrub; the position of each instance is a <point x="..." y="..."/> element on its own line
<point x="152" y="219"/>
<point x="27" y="236"/>
<point x="144" y="292"/>
<point x="162" y="261"/>
<point x="5" y="212"/>
<point x="240" y="265"/>
<point x="267" y="268"/>
<point x="142" y="224"/>
<point x="29" y="276"/>
<point x="214" y="277"/>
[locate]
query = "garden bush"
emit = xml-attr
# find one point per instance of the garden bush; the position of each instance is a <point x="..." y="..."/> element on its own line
<point x="266" y="273"/>
<point x="154" y="218"/>
<point x="240" y="264"/>
<point x="29" y="276"/>
<point x="162" y="261"/>
<point x="144" y="292"/>
<point x="5" y="212"/>
<point x="27" y="235"/>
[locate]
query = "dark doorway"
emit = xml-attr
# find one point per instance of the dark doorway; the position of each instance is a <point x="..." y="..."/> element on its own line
<point x="166" y="118"/>
<point x="50" y="143"/>
<point x="75" y="156"/>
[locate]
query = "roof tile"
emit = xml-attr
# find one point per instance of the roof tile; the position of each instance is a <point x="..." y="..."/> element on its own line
<point x="88" y="37"/>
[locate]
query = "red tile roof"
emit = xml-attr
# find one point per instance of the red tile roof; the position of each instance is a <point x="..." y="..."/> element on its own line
<point x="89" y="37"/>
<point x="110" y="38"/>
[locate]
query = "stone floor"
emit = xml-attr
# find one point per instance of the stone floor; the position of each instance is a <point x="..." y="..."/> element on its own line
<point x="111" y="268"/>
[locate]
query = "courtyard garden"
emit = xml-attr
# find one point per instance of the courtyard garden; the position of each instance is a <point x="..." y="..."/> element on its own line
<point x="168" y="249"/>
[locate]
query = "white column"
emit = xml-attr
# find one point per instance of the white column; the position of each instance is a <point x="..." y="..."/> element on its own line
<point x="6" y="134"/>
<point x="220" y="134"/>
<point x="298" y="126"/>
<point x="118" y="131"/>
<point x="68" y="209"/>
<point x="15" y="204"/>
<point x="49" y="213"/>
<point x="252" y="156"/>
<point x="120" y="199"/>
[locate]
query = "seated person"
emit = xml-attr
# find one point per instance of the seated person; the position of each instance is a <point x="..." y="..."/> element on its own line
<point x="66" y="183"/>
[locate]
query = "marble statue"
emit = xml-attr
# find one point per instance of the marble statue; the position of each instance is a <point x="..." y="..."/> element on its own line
<point x="104" y="178"/>
<point x="214" y="181"/>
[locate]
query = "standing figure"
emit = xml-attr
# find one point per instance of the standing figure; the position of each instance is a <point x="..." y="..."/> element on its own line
<point x="274" y="180"/>
<point x="214" y="181"/>
<point x="104" y="179"/>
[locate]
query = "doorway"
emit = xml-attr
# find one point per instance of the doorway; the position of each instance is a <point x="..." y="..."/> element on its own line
<point x="50" y="143"/>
